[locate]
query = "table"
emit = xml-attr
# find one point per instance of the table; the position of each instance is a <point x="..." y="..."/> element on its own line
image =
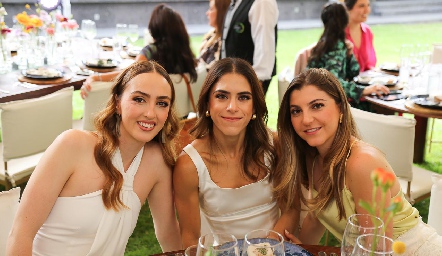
<point x="420" y="114"/>
<point x="313" y="249"/>
<point x="8" y="81"/>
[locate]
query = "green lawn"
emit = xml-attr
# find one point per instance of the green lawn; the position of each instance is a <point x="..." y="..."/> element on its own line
<point x="388" y="39"/>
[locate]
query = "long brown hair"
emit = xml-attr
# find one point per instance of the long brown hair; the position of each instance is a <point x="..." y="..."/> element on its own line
<point x="221" y="10"/>
<point x="291" y="171"/>
<point x="169" y="32"/>
<point x="257" y="140"/>
<point x="334" y="16"/>
<point x="106" y="125"/>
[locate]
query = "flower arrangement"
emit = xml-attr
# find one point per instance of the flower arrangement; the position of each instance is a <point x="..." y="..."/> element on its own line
<point x="383" y="180"/>
<point x="30" y="23"/>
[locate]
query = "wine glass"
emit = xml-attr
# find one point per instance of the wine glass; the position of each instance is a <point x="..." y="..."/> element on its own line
<point x="133" y="32"/>
<point x="359" y="224"/>
<point x="217" y="244"/>
<point x="121" y="32"/>
<point x="263" y="242"/>
<point x="89" y="29"/>
<point x="373" y="245"/>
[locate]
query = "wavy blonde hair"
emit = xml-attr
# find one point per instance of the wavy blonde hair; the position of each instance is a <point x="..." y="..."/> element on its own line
<point x="291" y="171"/>
<point x="106" y="126"/>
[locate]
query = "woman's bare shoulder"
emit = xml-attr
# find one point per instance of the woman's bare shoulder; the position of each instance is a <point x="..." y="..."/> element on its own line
<point x="365" y="158"/>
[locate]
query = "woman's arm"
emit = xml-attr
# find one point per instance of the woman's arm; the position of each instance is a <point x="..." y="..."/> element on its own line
<point x="185" y="184"/>
<point x="163" y="211"/>
<point x="42" y="190"/>
<point x="104" y="77"/>
<point x="312" y="230"/>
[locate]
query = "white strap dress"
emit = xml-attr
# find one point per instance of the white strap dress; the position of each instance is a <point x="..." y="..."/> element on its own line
<point x="81" y="225"/>
<point x="234" y="210"/>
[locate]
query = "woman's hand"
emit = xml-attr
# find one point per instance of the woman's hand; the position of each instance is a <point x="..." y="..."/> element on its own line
<point x="292" y="238"/>
<point x="86" y="87"/>
<point x="378" y="89"/>
<point x="349" y="46"/>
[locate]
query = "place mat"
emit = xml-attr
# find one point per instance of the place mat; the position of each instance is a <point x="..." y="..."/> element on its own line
<point x="66" y="77"/>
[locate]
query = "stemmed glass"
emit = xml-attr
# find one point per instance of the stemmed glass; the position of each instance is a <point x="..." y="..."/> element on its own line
<point x="263" y="242"/>
<point x="217" y="244"/>
<point x="121" y="33"/>
<point x="373" y="245"/>
<point x="359" y="224"/>
<point x="133" y="32"/>
<point x="89" y="31"/>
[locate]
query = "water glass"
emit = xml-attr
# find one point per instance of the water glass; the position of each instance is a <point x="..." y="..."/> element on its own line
<point x="217" y="244"/>
<point x="133" y="32"/>
<point x="88" y="29"/>
<point x="373" y="245"/>
<point x="263" y="242"/>
<point x="359" y="224"/>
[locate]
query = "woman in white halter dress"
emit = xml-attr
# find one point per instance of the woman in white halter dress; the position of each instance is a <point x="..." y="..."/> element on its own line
<point x="224" y="177"/>
<point x="85" y="195"/>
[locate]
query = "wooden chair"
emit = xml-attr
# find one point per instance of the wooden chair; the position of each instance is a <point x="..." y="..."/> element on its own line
<point x="394" y="136"/>
<point x="28" y="128"/>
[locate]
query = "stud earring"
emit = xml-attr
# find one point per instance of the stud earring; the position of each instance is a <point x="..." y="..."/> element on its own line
<point x="207" y="113"/>
<point x="340" y="118"/>
<point x="253" y="116"/>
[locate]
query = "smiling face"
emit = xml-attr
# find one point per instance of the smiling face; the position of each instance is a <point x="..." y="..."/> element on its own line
<point x="144" y="107"/>
<point x="314" y="116"/>
<point x="211" y="14"/>
<point x="360" y="11"/>
<point x="231" y="105"/>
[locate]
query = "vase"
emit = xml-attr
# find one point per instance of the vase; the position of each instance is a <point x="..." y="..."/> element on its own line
<point x="5" y="57"/>
<point x="371" y="244"/>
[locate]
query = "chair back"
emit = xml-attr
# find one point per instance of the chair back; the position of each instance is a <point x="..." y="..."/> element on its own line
<point x="393" y="135"/>
<point x="30" y="126"/>
<point x="8" y="208"/>
<point x="435" y="209"/>
<point x="284" y="80"/>
<point x="95" y="102"/>
<point x="437" y="53"/>
<point x="301" y="58"/>
<point x="183" y="104"/>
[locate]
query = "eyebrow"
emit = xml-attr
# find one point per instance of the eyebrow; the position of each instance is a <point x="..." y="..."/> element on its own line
<point x="311" y="102"/>
<point x="148" y="95"/>
<point x="226" y="92"/>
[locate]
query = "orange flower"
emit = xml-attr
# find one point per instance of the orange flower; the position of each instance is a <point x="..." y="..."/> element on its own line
<point x="36" y="22"/>
<point x="383" y="178"/>
<point x="23" y="19"/>
<point x="399" y="247"/>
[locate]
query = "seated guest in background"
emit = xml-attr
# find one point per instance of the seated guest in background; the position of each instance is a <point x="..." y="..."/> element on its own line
<point x="335" y="54"/>
<point x="324" y="157"/>
<point x="211" y="45"/>
<point x="360" y="34"/>
<point x="85" y="195"/>
<point x="224" y="177"/>
<point x="171" y="47"/>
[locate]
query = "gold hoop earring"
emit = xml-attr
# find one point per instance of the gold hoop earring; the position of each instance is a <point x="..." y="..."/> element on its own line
<point x="340" y="118"/>
<point x="253" y="116"/>
<point x="207" y="113"/>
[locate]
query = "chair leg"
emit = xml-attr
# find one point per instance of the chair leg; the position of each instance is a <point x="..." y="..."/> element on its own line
<point x="431" y="135"/>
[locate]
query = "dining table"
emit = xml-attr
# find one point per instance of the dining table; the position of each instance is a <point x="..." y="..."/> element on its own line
<point x="14" y="86"/>
<point x="313" y="249"/>
<point x="407" y="104"/>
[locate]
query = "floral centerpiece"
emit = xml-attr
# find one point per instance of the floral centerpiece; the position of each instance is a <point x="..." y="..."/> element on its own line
<point x="383" y="180"/>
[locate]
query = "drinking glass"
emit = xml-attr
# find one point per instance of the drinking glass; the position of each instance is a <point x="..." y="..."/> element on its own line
<point x="359" y="224"/>
<point x="133" y="32"/>
<point x="373" y="245"/>
<point x="191" y="250"/>
<point x="89" y="29"/>
<point x="263" y="242"/>
<point x="121" y="32"/>
<point x="217" y="244"/>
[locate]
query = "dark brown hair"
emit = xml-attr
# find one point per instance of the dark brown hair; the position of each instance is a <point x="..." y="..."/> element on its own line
<point x="221" y="10"/>
<point x="257" y="142"/>
<point x="106" y="122"/>
<point x="291" y="171"/>
<point x="172" y="40"/>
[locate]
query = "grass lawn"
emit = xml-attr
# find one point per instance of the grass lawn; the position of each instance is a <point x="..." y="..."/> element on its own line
<point x="388" y="39"/>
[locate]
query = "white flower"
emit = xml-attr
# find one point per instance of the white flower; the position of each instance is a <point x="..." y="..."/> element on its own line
<point x="3" y="11"/>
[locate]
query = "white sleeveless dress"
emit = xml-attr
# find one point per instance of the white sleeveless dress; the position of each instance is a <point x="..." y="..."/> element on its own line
<point x="234" y="210"/>
<point x="81" y="225"/>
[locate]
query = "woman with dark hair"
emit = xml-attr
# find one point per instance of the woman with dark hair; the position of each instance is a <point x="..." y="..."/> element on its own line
<point x="85" y="195"/>
<point x="334" y="53"/>
<point x="360" y="33"/>
<point x="224" y="177"/>
<point x="211" y="46"/>
<point x="170" y="49"/>
<point x="325" y="166"/>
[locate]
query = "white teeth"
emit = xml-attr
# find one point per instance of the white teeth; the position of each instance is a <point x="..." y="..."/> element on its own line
<point x="145" y="125"/>
<point x="312" y="130"/>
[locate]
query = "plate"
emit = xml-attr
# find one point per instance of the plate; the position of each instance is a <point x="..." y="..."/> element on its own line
<point x="101" y="63"/>
<point x="363" y="80"/>
<point x="290" y="249"/>
<point x="423" y="102"/>
<point x="133" y="52"/>
<point x="43" y="73"/>
<point x="392" y="67"/>
<point x="109" y="42"/>
<point x="385" y="80"/>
